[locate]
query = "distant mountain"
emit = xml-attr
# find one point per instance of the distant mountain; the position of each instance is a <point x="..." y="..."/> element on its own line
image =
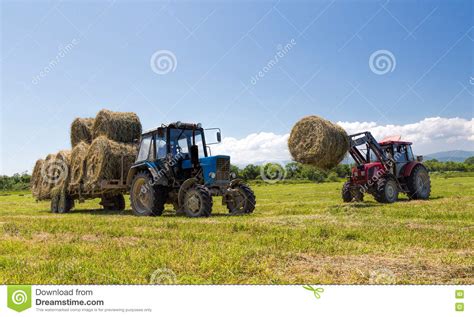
<point x="454" y="156"/>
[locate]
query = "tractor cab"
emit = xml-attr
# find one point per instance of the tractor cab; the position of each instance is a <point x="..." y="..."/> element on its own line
<point x="175" y="165"/>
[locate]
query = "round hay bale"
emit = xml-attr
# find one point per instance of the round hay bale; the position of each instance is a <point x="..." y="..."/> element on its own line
<point x="117" y="126"/>
<point x="46" y="176"/>
<point x="103" y="161"/>
<point x="62" y="169"/>
<point x="35" y="182"/>
<point x="78" y="158"/>
<point x="319" y="142"/>
<point x="81" y="130"/>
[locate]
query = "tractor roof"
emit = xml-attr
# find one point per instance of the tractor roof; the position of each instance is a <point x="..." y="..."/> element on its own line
<point x="394" y="139"/>
<point x="394" y="142"/>
<point x="177" y="125"/>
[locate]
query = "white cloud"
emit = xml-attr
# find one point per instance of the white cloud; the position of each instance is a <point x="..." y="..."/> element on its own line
<point x="428" y="135"/>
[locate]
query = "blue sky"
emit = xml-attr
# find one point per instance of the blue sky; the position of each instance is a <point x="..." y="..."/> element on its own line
<point x="101" y="52"/>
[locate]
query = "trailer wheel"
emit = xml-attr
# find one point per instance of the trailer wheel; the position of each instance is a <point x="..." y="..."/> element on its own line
<point x="118" y="202"/>
<point x="387" y="191"/>
<point x="54" y="203"/>
<point x="144" y="196"/>
<point x="241" y="200"/>
<point x="350" y="194"/>
<point x="65" y="203"/>
<point x="197" y="202"/>
<point x="419" y="183"/>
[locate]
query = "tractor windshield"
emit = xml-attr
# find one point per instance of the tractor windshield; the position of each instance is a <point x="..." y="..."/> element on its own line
<point x="181" y="141"/>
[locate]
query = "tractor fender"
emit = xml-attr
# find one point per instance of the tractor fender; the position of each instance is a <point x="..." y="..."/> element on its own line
<point x="408" y="168"/>
<point x="236" y="182"/>
<point x="184" y="187"/>
<point x="135" y="169"/>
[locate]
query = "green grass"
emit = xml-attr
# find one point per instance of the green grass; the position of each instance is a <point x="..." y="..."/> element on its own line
<point x="299" y="233"/>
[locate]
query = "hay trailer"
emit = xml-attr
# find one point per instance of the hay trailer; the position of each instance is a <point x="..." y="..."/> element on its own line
<point x="111" y="192"/>
<point x="384" y="169"/>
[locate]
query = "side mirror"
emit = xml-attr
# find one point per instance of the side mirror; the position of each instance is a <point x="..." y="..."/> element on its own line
<point x="219" y="137"/>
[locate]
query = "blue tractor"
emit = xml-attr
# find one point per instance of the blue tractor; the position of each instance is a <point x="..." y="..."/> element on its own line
<point x="174" y="165"/>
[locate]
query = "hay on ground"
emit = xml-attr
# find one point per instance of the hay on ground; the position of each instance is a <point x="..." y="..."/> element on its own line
<point x="81" y="130"/>
<point x="35" y="182"/>
<point x="319" y="142"/>
<point x="103" y="161"/>
<point x="78" y="159"/>
<point x="117" y="126"/>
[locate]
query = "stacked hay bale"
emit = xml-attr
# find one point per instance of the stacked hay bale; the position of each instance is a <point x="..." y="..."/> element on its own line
<point x="98" y="148"/>
<point x="35" y="182"/>
<point x="81" y="131"/>
<point x="62" y="172"/>
<point x="118" y="126"/>
<point x="78" y="159"/>
<point x="104" y="161"/>
<point x="318" y="142"/>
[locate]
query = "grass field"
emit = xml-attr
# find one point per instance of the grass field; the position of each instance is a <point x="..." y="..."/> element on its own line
<point x="299" y="233"/>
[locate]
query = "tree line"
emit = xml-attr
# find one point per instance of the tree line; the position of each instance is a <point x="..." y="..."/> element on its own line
<point x="275" y="171"/>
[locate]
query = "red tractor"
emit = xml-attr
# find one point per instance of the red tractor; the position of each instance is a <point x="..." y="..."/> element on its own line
<point x="384" y="169"/>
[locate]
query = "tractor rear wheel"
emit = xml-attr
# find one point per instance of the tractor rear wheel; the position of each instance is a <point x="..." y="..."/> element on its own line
<point x="145" y="197"/>
<point x="419" y="183"/>
<point x="242" y="200"/>
<point x="350" y="194"/>
<point x="197" y="202"/>
<point x="387" y="191"/>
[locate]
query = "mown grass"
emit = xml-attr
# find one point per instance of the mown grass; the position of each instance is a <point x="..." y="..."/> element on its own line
<point x="299" y="233"/>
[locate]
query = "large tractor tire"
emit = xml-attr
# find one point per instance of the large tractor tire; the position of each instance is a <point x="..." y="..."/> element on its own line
<point x="197" y="201"/>
<point x="387" y="191"/>
<point x="350" y="194"/>
<point x="145" y="198"/>
<point x="241" y="200"/>
<point x="419" y="183"/>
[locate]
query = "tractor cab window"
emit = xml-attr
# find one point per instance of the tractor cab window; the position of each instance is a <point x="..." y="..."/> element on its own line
<point x="181" y="141"/>
<point x="144" y="148"/>
<point x="160" y="146"/>
<point x="410" y="155"/>
<point x="400" y="153"/>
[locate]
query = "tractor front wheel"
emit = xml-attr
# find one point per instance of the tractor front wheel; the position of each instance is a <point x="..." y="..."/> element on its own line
<point x="351" y="193"/>
<point x="197" y="202"/>
<point x="419" y="183"/>
<point x="145" y="197"/>
<point x="387" y="191"/>
<point x="241" y="200"/>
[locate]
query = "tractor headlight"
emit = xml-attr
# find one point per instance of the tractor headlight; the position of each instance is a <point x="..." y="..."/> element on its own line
<point x="212" y="175"/>
<point x="232" y="175"/>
